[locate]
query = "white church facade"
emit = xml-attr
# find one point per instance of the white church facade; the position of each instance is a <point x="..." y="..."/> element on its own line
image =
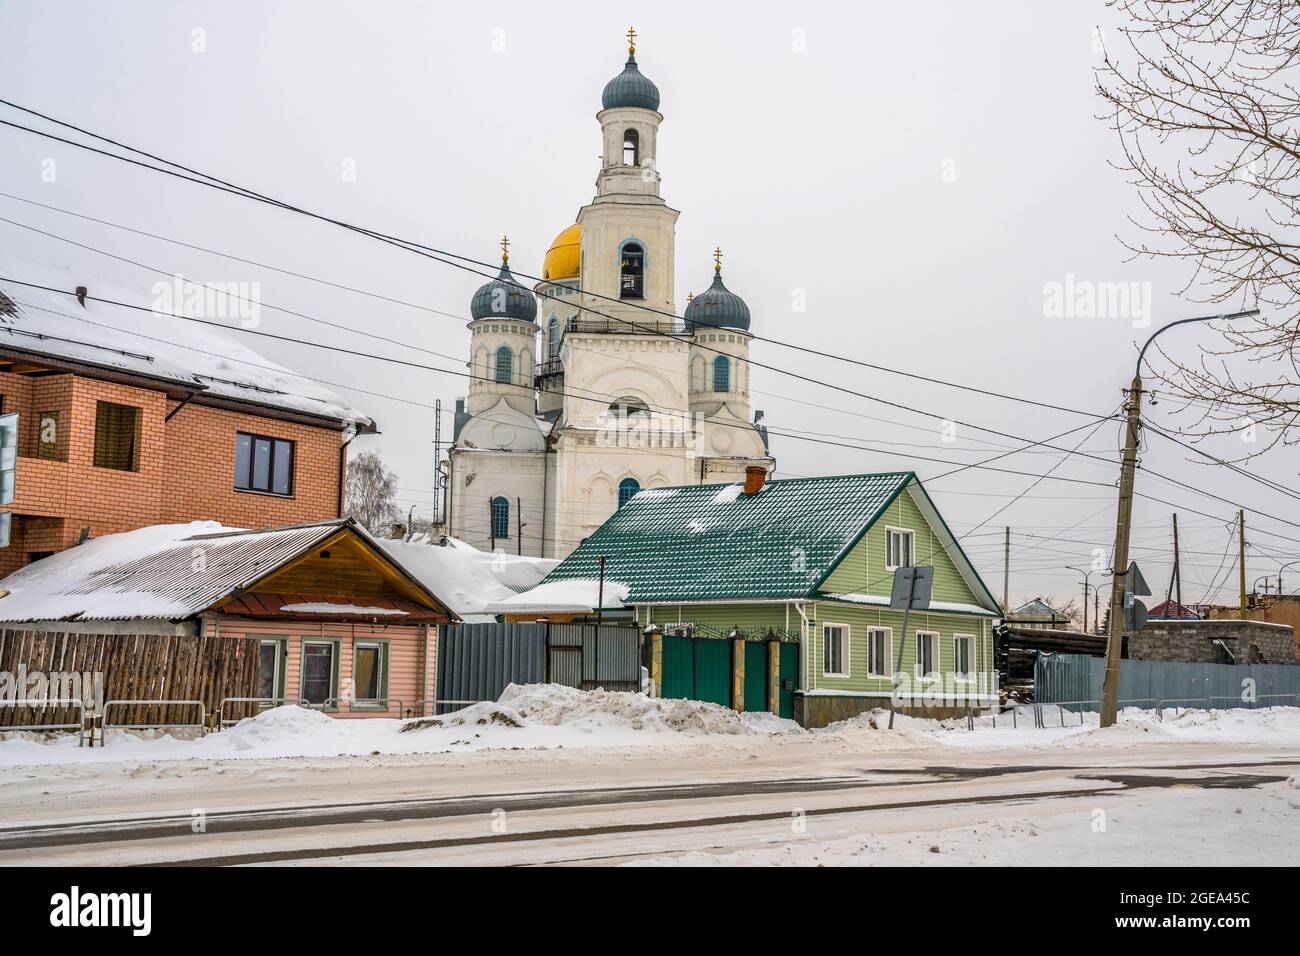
<point x="589" y="388"/>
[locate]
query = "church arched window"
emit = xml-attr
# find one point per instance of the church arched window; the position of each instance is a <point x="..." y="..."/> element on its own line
<point x="500" y="517"/>
<point x="628" y="408"/>
<point x="626" y="489"/>
<point x="632" y="272"/>
<point x="631" y="148"/>
<point x="553" y="338"/>
<point x="505" y="367"/>
<point x="722" y="374"/>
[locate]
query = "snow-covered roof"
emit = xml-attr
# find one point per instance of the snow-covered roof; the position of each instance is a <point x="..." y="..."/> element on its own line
<point x="166" y="572"/>
<point x="567" y="596"/>
<point x="470" y="581"/>
<point x="189" y="355"/>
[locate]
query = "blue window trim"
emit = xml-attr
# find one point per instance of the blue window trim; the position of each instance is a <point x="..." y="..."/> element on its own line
<point x="627" y="488"/>
<point x="722" y="374"/>
<point x="500" y="517"/>
<point x="504" y="373"/>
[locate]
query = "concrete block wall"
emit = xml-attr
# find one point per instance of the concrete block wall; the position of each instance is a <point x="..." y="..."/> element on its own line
<point x="1249" y="642"/>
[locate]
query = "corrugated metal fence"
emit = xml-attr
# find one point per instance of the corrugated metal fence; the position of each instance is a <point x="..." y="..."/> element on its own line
<point x="478" y="661"/>
<point x="1074" y="678"/>
<point x="588" y="656"/>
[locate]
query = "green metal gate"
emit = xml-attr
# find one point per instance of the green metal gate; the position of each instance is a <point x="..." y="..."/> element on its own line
<point x="697" y="668"/>
<point x="755" y="676"/>
<point x="713" y="670"/>
<point x="789" y="677"/>
<point x="679" y="667"/>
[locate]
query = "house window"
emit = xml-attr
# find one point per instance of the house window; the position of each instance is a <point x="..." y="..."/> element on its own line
<point x="505" y="365"/>
<point x="47" y="436"/>
<point x="117" y="436"/>
<point x="963" y="656"/>
<point x="626" y="489"/>
<point x="263" y="464"/>
<point x="835" y="650"/>
<point x="898" y="549"/>
<point x="318" y="673"/>
<point x="500" y="517"/>
<point x="270" y="653"/>
<point x="722" y="374"/>
<point x="553" y="338"/>
<point x="370" y="673"/>
<point x="879" y="640"/>
<point x="631" y="148"/>
<point x="927" y="653"/>
<point x="632" y="272"/>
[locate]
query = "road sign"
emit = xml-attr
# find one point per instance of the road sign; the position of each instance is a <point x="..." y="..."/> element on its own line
<point x="912" y="588"/>
<point x="1134" y="583"/>
<point x="1135" y="613"/>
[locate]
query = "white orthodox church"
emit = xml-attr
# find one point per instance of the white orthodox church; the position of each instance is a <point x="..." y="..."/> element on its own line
<point x="621" y="394"/>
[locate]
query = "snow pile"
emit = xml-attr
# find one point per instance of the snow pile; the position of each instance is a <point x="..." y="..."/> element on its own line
<point x="540" y="716"/>
<point x="598" y="710"/>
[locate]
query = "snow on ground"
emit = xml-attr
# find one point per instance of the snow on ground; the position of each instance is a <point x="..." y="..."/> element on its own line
<point x="1070" y="729"/>
<point x="535" y="716"/>
<point x="549" y="716"/>
<point x="1165" y="827"/>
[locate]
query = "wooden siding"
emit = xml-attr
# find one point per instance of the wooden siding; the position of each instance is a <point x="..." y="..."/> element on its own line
<point x="863" y="570"/>
<point x="411" y="656"/>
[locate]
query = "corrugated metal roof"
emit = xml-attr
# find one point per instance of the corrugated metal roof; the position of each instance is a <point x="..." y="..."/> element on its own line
<point x="709" y="542"/>
<point x="166" y="572"/>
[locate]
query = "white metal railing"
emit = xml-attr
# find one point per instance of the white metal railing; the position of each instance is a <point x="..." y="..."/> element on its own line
<point x="106" y="725"/>
<point x="41" y="703"/>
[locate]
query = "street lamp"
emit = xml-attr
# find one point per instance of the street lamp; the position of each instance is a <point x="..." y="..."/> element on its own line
<point x="1086" y="575"/>
<point x="1279" y="575"/>
<point x="1124" y="520"/>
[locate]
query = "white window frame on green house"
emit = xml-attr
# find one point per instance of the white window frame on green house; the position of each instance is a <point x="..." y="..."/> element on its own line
<point x="875" y="667"/>
<point x="382" y="647"/>
<point x="932" y="674"/>
<point x="968" y="675"/>
<point x="845" y="644"/>
<point x="910" y="535"/>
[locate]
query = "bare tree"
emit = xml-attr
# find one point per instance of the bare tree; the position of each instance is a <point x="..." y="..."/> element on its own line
<point x="372" y="493"/>
<point x="1204" y="99"/>
<point x="1069" y="609"/>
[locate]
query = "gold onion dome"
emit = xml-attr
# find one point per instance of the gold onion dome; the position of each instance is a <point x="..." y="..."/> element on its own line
<point x="565" y="255"/>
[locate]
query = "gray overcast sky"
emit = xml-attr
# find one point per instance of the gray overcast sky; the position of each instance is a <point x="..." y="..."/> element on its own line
<point x="918" y="172"/>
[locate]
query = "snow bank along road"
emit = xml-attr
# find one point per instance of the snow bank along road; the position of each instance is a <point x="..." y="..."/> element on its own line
<point x="786" y="798"/>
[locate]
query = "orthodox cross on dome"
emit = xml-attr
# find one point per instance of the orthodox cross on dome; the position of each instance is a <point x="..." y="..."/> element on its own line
<point x="505" y="248"/>
<point x="717" y="259"/>
<point x="689" y="296"/>
<point x="631" y="41"/>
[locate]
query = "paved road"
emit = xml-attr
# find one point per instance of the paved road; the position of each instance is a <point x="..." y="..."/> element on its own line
<point x="574" y="808"/>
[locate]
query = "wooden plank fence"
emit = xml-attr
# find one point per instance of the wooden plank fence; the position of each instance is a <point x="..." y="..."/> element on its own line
<point x="134" y="667"/>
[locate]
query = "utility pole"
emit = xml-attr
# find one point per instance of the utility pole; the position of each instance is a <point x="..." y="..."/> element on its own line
<point x="1096" y="609"/>
<point x="437" y="464"/>
<point x="1178" y="568"/>
<point x="1006" y="573"/>
<point x="600" y="594"/>
<point x="1241" y="558"/>
<point x="492" y="527"/>
<point x="519" y="526"/>
<point x="1124" y="520"/>
<point x="1119" y="567"/>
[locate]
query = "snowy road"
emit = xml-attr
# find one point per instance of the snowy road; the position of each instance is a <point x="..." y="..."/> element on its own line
<point x="780" y="799"/>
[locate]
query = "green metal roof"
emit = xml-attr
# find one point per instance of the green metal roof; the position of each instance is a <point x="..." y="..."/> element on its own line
<point x="712" y="542"/>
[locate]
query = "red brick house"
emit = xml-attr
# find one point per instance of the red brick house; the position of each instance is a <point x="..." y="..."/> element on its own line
<point x="130" y="418"/>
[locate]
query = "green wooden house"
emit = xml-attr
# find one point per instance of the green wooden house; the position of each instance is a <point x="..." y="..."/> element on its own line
<point x="804" y="566"/>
